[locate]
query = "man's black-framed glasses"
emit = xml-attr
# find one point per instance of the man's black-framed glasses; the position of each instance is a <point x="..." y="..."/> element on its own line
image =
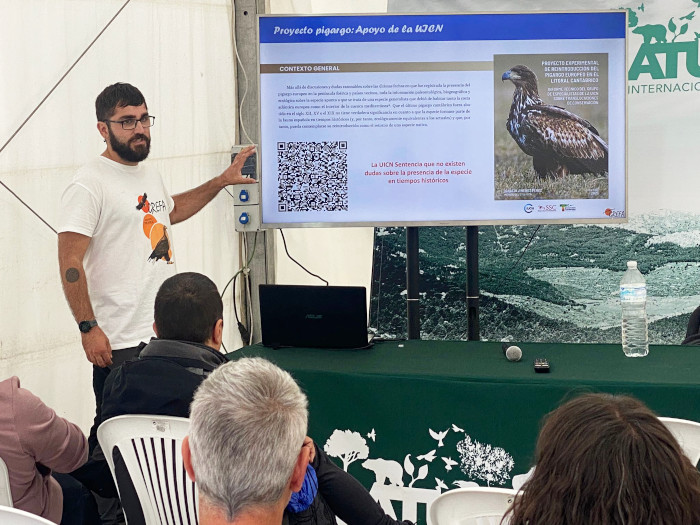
<point x="130" y="123"/>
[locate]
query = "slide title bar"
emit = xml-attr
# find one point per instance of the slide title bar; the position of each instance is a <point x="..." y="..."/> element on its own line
<point x="500" y="26"/>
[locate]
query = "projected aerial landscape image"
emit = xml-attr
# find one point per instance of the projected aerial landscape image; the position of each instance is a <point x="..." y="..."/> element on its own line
<point x="544" y="296"/>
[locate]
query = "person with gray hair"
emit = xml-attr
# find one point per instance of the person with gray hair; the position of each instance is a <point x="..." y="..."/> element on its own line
<point x="188" y="315"/>
<point x="247" y="448"/>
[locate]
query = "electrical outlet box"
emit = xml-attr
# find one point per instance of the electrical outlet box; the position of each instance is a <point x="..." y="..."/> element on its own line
<point x="250" y="167"/>
<point x="245" y="194"/>
<point x="247" y="218"/>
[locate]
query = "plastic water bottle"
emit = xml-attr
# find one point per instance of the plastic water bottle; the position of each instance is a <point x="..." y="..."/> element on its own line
<point x="633" y="297"/>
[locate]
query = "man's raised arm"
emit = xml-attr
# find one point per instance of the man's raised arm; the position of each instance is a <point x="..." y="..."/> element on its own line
<point x="71" y="250"/>
<point x="190" y="202"/>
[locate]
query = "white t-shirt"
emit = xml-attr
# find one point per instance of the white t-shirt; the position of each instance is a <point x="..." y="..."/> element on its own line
<point x="126" y="212"/>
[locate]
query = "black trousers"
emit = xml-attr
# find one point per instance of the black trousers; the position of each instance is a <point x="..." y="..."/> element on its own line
<point x="79" y="507"/>
<point x="99" y="376"/>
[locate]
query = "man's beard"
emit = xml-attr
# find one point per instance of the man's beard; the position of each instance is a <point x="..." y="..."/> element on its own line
<point x="128" y="152"/>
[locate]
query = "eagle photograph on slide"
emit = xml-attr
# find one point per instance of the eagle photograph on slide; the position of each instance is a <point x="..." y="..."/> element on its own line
<point x="549" y="151"/>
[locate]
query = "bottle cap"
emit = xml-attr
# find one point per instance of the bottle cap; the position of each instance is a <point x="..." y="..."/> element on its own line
<point x="632" y="264"/>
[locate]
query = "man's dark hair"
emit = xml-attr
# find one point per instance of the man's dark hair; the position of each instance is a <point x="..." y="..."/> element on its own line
<point x="187" y="307"/>
<point x="117" y="95"/>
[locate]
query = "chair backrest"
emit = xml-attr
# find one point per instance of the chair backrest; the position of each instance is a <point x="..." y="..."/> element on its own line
<point x="471" y="506"/>
<point x="10" y="516"/>
<point x="520" y="479"/>
<point x="151" y="449"/>
<point x="687" y="433"/>
<point x="5" y="492"/>
<point x="409" y="497"/>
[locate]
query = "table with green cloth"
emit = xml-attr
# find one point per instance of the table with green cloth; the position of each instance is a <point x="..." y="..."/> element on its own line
<point x="440" y="414"/>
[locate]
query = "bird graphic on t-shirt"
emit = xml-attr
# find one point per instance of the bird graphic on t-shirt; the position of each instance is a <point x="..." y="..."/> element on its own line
<point x="162" y="249"/>
<point x="142" y="202"/>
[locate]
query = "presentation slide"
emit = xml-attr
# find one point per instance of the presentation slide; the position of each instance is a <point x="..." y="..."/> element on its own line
<point x="442" y="119"/>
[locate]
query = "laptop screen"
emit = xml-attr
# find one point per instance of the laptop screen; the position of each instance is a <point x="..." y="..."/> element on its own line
<point x="313" y="316"/>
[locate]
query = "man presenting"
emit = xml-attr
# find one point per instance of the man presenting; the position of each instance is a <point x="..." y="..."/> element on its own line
<point x="115" y="245"/>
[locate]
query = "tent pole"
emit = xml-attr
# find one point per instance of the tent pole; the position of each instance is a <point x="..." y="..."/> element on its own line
<point x="472" y="283"/>
<point x="262" y="265"/>
<point x="412" y="283"/>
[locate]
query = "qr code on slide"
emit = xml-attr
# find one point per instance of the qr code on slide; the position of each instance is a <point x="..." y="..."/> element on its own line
<point x="313" y="176"/>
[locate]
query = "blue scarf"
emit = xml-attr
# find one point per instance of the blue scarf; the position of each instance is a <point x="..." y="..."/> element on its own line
<point x="302" y="500"/>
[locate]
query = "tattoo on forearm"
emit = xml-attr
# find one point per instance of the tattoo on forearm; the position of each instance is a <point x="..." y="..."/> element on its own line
<point x="72" y="275"/>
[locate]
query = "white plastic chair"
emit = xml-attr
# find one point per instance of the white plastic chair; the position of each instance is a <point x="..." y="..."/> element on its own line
<point x="10" y="516"/>
<point x="409" y="497"/>
<point x="520" y="479"/>
<point x="151" y="449"/>
<point x="471" y="506"/>
<point x="687" y="433"/>
<point x="5" y="492"/>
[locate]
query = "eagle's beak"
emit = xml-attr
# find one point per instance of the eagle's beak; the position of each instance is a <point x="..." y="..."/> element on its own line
<point x="506" y="76"/>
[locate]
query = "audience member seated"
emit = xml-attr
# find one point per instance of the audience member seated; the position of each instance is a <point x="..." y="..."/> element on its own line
<point x="247" y="448"/>
<point x="33" y="442"/>
<point x="188" y="316"/>
<point x="604" y="459"/>
<point x="692" y="333"/>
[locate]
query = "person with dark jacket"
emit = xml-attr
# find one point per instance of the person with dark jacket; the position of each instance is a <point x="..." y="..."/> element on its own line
<point x="161" y="381"/>
<point x="189" y="323"/>
<point x="692" y="334"/>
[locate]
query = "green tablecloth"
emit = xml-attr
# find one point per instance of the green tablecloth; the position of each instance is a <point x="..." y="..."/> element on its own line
<point x="426" y="404"/>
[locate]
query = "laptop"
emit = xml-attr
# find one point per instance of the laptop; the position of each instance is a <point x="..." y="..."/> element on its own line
<point x="313" y="316"/>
